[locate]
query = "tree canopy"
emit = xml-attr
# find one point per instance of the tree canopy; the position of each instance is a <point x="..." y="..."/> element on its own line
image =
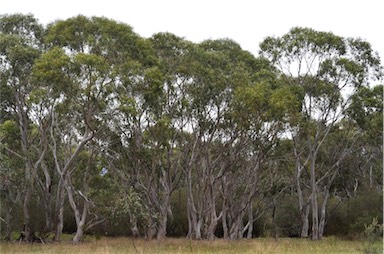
<point x="161" y="136"/>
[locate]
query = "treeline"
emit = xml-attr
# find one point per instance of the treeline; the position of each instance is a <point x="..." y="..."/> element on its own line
<point x="106" y="132"/>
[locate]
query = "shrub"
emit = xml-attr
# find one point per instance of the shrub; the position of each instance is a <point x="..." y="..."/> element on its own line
<point x="372" y="233"/>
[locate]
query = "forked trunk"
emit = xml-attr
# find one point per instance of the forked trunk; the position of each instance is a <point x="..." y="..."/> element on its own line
<point x="79" y="234"/>
<point x="80" y="218"/>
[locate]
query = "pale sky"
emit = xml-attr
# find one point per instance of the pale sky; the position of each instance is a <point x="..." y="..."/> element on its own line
<point x="245" y="21"/>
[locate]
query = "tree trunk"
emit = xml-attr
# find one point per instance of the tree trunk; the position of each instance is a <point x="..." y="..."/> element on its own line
<point x="164" y="205"/>
<point x="29" y="177"/>
<point x="79" y="218"/>
<point x="59" y="210"/>
<point x="212" y="226"/>
<point x="303" y="206"/>
<point x="305" y="221"/>
<point x="235" y="227"/>
<point x="26" y="216"/>
<point x="323" y="214"/>
<point x="47" y="192"/>
<point x="189" y="217"/>
<point x="151" y="229"/>
<point x="314" y="204"/>
<point x="194" y="220"/>
<point x="48" y="215"/>
<point x="250" y="221"/>
<point x="304" y="211"/>
<point x="213" y="218"/>
<point x="80" y="227"/>
<point x="197" y="230"/>
<point x="134" y="229"/>
<point x="78" y="236"/>
<point x="224" y="219"/>
<point x="162" y="223"/>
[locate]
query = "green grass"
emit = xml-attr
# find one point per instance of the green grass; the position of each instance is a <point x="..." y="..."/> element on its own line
<point x="182" y="245"/>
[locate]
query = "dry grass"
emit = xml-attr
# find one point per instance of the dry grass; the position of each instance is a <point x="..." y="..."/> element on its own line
<point x="181" y="245"/>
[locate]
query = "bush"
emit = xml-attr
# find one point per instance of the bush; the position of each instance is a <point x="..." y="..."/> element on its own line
<point x="348" y="219"/>
<point x="372" y="234"/>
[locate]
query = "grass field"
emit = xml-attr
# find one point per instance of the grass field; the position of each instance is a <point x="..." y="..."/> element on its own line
<point x="181" y="245"/>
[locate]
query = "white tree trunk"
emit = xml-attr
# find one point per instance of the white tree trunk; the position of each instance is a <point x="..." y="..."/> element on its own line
<point x="314" y="203"/>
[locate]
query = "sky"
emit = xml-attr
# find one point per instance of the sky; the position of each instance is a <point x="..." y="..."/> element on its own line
<point x="245" y="21"/>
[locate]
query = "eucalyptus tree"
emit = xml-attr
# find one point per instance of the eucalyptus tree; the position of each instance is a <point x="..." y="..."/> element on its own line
<point x="50" y="71"/>
<point x="328" y="69"/>
<point x="213" y="81"/>
<point x="366" y="112"/>
<point x="151" y="121"/>
<point x="219" y="68"/>
<point x="125" y="150"/>
<point x="170" y="118"/>
<point x="21" y="45"/>
<point x="49" y="85"/>
<point x="260" y="113"/>
<point x="94" y="50"/>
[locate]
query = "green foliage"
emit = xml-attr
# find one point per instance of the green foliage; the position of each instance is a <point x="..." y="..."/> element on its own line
<point x="287" y="218"/>
<point x="9" y="129"/>
<point x="155" y="108"/>
<point x="367" y="108"/>
<point x="129" y="202"/>
<point x="20" y="41"/>
<point x="48" y="72"/>
<point x="251" y="104"/>
<point x="25" y="27"/>
<point x="349" y="217"/>
<point x="372" y="233"/>
<point x="298" y="40"/>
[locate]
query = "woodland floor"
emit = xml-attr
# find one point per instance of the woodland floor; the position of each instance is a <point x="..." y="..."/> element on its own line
<point x="182" y="245"/>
